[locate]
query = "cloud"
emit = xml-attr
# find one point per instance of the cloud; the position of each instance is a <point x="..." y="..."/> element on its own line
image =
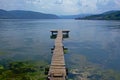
<point x="33" y="1"/>
<point x="87" y="6"/>
<point x="108" y="5"/>
<point x="61" y="6"/>
<point x="117" y="2"/>
<point x="70" y="6"/>
<point x="59" y="2"/>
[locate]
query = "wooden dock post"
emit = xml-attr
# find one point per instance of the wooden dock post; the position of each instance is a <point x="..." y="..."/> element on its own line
<point x="65" y="33"/>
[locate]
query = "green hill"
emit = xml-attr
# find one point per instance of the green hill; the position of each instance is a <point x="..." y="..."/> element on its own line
<point x="21" y="14"/>
<point x="110" y="15"/>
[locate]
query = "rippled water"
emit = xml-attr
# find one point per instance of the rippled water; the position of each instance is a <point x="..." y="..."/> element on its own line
<point x="96" y="42"/>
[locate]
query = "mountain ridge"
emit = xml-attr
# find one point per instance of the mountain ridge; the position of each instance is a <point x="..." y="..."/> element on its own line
<point x="109" y="15"/>
<point x="22" y="14"/>
<point x="73" y="16"/>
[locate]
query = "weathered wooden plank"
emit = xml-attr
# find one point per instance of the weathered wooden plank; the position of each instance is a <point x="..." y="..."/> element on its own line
<point x="57" y="69"/>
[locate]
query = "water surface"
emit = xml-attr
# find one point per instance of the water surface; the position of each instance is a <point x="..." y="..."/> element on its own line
<point x="96" y="42"/>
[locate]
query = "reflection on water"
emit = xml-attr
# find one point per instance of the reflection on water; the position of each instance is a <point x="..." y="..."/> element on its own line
<point x="90" y="41"/>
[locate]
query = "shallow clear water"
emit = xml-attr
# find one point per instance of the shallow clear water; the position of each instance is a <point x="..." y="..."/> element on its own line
<point x="96" y="42"/>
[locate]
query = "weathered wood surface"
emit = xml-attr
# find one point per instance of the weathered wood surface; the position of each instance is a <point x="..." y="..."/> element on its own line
<point x="57" y="69"/>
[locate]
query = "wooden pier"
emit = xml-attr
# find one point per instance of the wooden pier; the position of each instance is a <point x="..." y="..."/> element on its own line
<point x="65" y="34"/>
<point x="57" y="70"/>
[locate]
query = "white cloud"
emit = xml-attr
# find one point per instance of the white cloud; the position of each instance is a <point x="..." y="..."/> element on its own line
<point x="117" y="2"/>
<point x="88" y="6"/>
<point x="61" y="6"/>
<point x="59" y="2"/>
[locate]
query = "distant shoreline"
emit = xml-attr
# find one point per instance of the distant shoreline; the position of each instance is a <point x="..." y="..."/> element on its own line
<point x="110" y="15"/>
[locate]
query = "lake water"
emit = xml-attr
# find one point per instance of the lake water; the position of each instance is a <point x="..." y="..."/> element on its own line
<point x="90" y="42"/>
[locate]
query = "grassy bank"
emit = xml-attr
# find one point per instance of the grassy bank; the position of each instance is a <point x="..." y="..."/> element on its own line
<point x="23" y="71"/>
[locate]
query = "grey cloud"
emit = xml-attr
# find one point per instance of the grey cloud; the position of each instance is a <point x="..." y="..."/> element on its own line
<point x="110" y="5"/>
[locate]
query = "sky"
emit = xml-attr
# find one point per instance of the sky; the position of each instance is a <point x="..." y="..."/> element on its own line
<point x="62" y="7"/>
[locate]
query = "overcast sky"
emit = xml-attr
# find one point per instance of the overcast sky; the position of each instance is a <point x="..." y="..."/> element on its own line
<point x="61" y="7"/>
